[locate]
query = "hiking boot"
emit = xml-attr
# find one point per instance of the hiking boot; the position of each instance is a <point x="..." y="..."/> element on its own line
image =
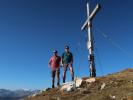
<point x="52" y="86"/>
<point x="63" y="81"/>
<point x="58" y="84"/>
<point x="72" y="78"/>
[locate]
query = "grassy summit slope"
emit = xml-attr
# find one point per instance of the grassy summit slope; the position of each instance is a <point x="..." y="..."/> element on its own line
<point x="117" y="86"/>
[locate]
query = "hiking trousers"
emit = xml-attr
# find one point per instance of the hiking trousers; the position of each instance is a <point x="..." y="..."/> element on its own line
<point x="56" y="73"/>
<point x="70" y="66"/>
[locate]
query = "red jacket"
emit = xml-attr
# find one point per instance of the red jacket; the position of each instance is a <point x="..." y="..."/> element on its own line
<point x="54" y="62"/>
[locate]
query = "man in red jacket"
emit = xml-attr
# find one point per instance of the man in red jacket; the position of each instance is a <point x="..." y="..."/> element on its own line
<point x="54" y="64"/>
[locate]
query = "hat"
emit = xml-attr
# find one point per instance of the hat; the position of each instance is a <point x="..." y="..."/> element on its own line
<point x="66" y="47"/>
<point x="55" y="51"/>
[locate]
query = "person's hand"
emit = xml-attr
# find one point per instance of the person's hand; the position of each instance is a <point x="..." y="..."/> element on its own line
<point x="61" y="64"/>
<point x="49" y="65"/>
<point x="71" y="62"/>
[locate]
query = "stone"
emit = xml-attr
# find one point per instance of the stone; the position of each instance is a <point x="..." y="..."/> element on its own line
<point x="90" y="80"/>
<point x="103" y="86"/>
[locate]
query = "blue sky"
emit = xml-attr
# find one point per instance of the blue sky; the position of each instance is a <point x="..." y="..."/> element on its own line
<point x="31" y="29"/>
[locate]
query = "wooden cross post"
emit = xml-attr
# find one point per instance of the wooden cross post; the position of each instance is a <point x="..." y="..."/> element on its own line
<point x="90" y="44"/>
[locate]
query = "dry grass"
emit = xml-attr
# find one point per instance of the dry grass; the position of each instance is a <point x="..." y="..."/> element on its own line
<point x="118" y="86"/>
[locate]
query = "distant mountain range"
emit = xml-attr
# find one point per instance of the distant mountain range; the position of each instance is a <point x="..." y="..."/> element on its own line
<point x="6" y="94"/>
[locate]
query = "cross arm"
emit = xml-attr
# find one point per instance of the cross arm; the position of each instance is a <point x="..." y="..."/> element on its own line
<point x="87" y="22"/>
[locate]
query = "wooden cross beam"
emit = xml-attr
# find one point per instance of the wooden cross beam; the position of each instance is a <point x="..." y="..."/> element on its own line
<point x="90" y="17"/>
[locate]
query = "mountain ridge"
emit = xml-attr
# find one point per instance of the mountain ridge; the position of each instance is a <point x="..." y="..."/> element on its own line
<point x="7" y="94"/>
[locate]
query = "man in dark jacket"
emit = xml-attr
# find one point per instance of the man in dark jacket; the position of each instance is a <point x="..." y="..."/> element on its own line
<point x="67" y="61"/>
